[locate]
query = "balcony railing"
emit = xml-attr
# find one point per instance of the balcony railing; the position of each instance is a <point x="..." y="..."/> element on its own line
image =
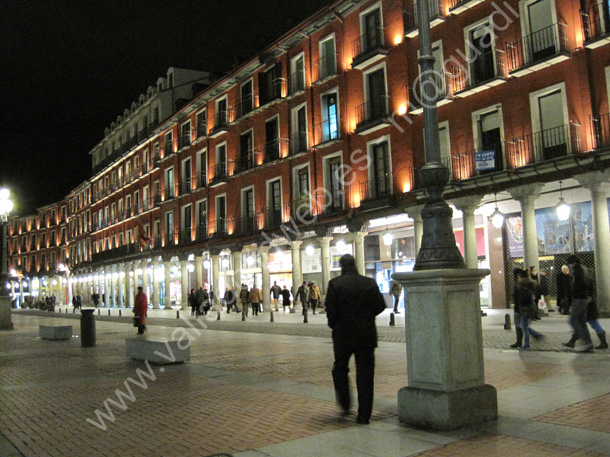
<point x="298" y="143"/>
<point x="440" y="84"/>
<point x="202" y="129"/>
<point x="324" y="67"/>
<point x="601" y="131"/>
<point x="301" y="209"/>
<point x="596" y="21"/>
<point x="245" y="225"/>
<point x="329" y="201"/>
<point x="169" y="238"/>
<point x="479" y="73"/>
<point x="220" y="172"/>
<point x="242" y="107"/>
<point x="410" y="18"/>
<point x="170" y="192"/>
<point x="157" y="198"/>
<point x="273" y="149"/>
<point x="297" y="81"/>
<point x="479" y="161"/>
<point x="273" y="216"/>
<point x="186" y="235"/>
<point x="220" y="226"/>
<point x="202" y="179"/>
<point x="373" y="110"/>
<point x="184" y="140"/>
<point x="374" y="189"/>
<point x="545" y="145"/>
<point x="367" y="45"/>
<point x="202" y="231"/>
<point x="244" y="162"/>
<point x="186" y="186"/>
<point x="275" y="90"/>
<point x="221" y="122"/>
<point x="537" y="47"/>
<point x="328" y="130"/>
<point x="168" y="147"/>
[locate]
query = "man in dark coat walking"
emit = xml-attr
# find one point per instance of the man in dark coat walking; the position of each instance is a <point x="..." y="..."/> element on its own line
<point x="352" y="302"/>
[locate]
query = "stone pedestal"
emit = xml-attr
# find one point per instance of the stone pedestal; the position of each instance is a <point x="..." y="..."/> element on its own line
<point x="446" y="384"/>
<point x="6" y="323"/>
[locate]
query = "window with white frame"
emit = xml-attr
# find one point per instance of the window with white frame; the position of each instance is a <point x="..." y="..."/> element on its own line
<point x="185" y="136"/>
<point x="479" y="39"/>
<point x="248" y="222"/>
<point x="333" y="182"/>
<point x="202" y="123"/>
<point x="550" y="122"/>
<point x="297" y="73"/>
<point x="274" y="203"/>
<point x="202" y="220"/>
<point x="379" y="170"/>
<point x="169" y="228"/>
<point x="302" y="192"/>
<point x="488" y="133"/>
<point x="221" y="214"/>
<point x="299" y="129"/>
<point x="327" y="65"/>
<point x="202" y="168"/>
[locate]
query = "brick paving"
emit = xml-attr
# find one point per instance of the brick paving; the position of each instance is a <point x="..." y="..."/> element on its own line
<point x="240" y="391"/>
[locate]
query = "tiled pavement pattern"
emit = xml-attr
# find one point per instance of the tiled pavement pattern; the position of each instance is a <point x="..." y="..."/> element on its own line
<point x="257" y="394"/>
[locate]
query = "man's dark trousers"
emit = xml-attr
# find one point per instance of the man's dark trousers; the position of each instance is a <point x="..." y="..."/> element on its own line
<point x="365" y="373"/>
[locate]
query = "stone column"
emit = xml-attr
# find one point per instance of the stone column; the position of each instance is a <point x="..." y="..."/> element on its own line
<point x="264" y="253"/>
<point x="21" y="288"/>
<point x="70" y="295"/>
<point x="168" y="301"/>
<point x="597" y="184"/>
<point x="128" y="282"/>
<point x="358" y="239"/>
<point x="418" y="226"/>
<point x="324" y="247"/>
<point x="144" y="267"/>
<point x="526" y="196"/>
<point x="107" y="285"/>
<point x="215" y="274"/>
<point x="136" y="279"/>
<point x="121" y="288"/>
<point x="156" y="288"/>
<point x="12" y="290"/>
<point x="184" y="282"/>
<point x="297" y="273"/>
<point x="113" y="281"/>
<point x="199" y="271"/>
<point x="236" y="269"/>
<point x="467" y="205"/>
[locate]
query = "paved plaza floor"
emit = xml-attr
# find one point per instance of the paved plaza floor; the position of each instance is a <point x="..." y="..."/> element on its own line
<point x="257" y="388"/>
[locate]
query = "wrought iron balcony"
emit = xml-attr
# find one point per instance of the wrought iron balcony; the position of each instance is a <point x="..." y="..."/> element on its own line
<point x="273" y="216"/>
<point x="436" y="15"/>
<point x="324" y="67"/>
<point x="488" y="72"/>
<point x="298" y="143"/>
<point x="220" y="172"/>
<point x="459" y="6"/>
<point x="202" y="231"/>
<point x="202" y="179"/>
<point x="297" y="81"/>
<point x="328" y="131"/>
<point x="245" y="225"/>
<point x="186" y="186"/>
<point x="221" y="123"/>
<point x="242" y="107"/>
<point x="169" y="238"/>
<point x="301" y="209"/>
<point x="548" y="144"/>
<point x="273" y="149"/>
<point x="170" y="192"/>
<point x="245" y="162"/>
<point x="186" y="236"/>
<point x="168" y="147"/>
<point x="479" y="161"/>
<point x="372" y="114"/>
<point x="276" y="90"/>
<point x="596" y="24"/>
<point x="184" y="140"/>
<point x="368" y="48"/>
<point x="329" y="202"/>
<point x="220" y="226"/>
<point x="601" y="131"/>
<point x="376" y="189"/>
<point x="202" y="129"/>
<point x="548" y="46"/>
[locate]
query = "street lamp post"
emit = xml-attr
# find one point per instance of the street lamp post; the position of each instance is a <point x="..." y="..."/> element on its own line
<point x="6" y="205"/>
<point x="446" y="383"/>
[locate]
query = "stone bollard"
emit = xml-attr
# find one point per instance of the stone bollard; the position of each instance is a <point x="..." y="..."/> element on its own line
<point x="120" y="313"/>
<point x="271" y="316"/>
<point x="217" y="315"/>
<point x="305" y="319"/>
<point x="87" y="328"/>
<point x="109" y="312"/>
<point x="507" y="322"/>
<point x="177" y="314"/>
<point x="392" y="320"/>
<point x="243" y="315"/>
<point x="99" y="312"/>
<point x="73" y="310"/>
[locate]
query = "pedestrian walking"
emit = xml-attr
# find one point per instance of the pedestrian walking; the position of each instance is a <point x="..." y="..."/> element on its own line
<point x="544" y="289"/>
<point x="203" y="301"/>
<point x="564" y="295"/>
<point x="275" y="294"/>
<point x="396" y="291"/>
<point x="525" y="309"/>
<point x="140" y="309"/>
<point x="314" y="296"/>
<point x="193" y="302"/>
<point x="581" y="292"/>
<point x="592" y="320"/>
<point x="533" y="273"/>
<point x="230" y="299"/>
<point x="303" y="296"/>
<point x="285" y="298"/>
<point x="255" y="300"/>
<point x="244" y="298"/>
<point x="352" y="302"/>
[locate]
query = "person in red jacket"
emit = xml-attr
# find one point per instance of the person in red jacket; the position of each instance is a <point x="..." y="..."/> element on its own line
<point x="140" y="308"/>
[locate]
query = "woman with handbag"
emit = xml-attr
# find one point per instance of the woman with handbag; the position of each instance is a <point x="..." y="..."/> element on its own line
<point x="140" y="308"/>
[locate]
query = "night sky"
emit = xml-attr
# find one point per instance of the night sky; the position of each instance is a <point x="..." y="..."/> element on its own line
<point x="69" y="68"/>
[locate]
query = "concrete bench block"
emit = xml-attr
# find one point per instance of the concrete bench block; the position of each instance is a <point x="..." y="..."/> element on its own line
<point x="55" y="332"/>
<point x="158" y="351"/>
